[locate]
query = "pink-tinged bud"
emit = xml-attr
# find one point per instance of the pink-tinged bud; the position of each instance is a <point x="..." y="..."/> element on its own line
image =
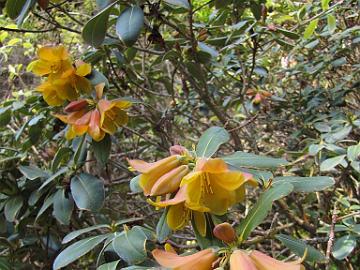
<point x="271" y="27"/>
<point x="225" y="232"/>
<point x="257" y="99"/>
<point x="177" y="150"/>
<point x="75" y="106"/>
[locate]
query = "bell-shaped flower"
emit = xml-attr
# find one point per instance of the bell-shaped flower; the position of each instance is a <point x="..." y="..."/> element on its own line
<point x="202" y="260"/>
<point x="160" y="177"/>
<point x="51" y="60"/>
<point x="178" y="215"/>
<point x="87" y="116"/>
<point x="212" y="187"/>
<point x="75" y="77"/>
<point x="257" y="260"/>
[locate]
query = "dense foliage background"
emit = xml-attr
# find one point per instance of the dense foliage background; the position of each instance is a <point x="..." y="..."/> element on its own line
<point x="282" y="77"/>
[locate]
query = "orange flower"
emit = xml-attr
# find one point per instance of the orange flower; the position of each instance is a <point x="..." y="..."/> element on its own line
<point x="75" y="77"/>
<point x="87" y="116"/>
<point x="257" y="260"/>
<point x="161" y="177"/>
<point x="212" y="187"/>
<point x="202" y="260"/>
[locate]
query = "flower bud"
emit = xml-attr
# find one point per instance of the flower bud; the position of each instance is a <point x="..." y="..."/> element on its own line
<point x="177" y="150"/>
<point x="257" y="99"/>
<point x="225" y="232"/>
<point x="75" y="106"/>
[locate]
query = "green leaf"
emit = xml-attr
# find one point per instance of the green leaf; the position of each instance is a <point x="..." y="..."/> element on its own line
<point x="299" y="247"/>
<point x="95" y="29"/>
<point x="135" y="186"/>
<point x="325" y="4"/>
<point x="54" y="176"/>
<point x="211" y="140"/>
<point x="306" y="184"/>
<point x="331" y="163"/>
<point x="47" y="203"/>
<point x="288" y="34"/>
<point x="130" y="245"/>
<point x="242" y="159"/>
<point x="61" y="155"/>
<point x="76" y="250"/>
<point x="102" y="149"/>
<point x="12" y="208"/>
<point x="32" y="173"/>
<point x="63" y="207"/>
<point x="353" y="152"/>
<point x="25" y="11"/>
<point x="129" y="25"/>
<point x="261" y="209"/>
<point x="255" y="8"/>
<point x="71" y="236"/>
<point x="13" y="8"/>
<point x="310" y="29"/>
<point x="96" y="77"/>
<point x="5" y="116"/>
<point x="109" y="266"/>
<point x="331" y="22"/>
<point x="343" y="247"/>
<point x="162" y="229"/>
<point x="87" y="191"/>
<point x="178" y="3"/>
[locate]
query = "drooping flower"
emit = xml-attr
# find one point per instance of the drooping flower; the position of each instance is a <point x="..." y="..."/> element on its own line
<point x="212" y="187"/>
<point x="202" y="260"/>
<point x="257" y="260"/>
<point x="75" y="77"/>
<point x="88" y="116"/>
<point x="52" y="60"/>
<point x="160" y="177"/>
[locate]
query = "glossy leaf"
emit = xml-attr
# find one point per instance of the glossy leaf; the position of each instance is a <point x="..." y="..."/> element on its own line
<point x="306" y="184"/>
<point x="299" y="248"/>
<point x="331" y="163"/>
<point x="129" y="25"/>
<point x="162" y="229"/>
<point x="76" y="250"/>
<point x="242" y="159"/>
<point x="87" y="191"/>
<point x="211" y="140"/>
<point x="102" y="149"/>
<point x="74" y="234"/>
<point x="12" y="208"/>
<point x="178" y="3"/>
<point x="63" y="207"/>
<point x="343" y="247"/>
<point x="109" y="266"/>
<point x="261" y="208"/>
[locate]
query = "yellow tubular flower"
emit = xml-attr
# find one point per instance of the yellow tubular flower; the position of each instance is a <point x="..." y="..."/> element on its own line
<point x="201" y="260"/>
<point x="153" y="172"/>
<point x="51" y="60"/>
<point x="212" y="187"/>
<point x="257" y="260"/>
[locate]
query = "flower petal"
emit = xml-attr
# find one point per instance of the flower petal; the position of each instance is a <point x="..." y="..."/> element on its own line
<point x="240" y="260"/>
<point x="200" y="222"/>
<point x="265" y="262"/>
<point x="212" y="165"/>
<point x="177" y="216"/>
<point x="82" y="68"/>
<point x="179" y="198"/>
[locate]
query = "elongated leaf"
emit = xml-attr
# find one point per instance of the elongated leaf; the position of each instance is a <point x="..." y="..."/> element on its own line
<point x="299" y="247"/>
<point x="47" y="203"/>
<point x="331" y="22"/>
<point x="12" y="208"/>
<point x="306" y="184"/>
<point x="13" y="8"/>
<point x="32" y="173"/>
<point x="95" y="29"/>
<point x="102" y="149"/>
<point x="61" y="154"/>
<point x="343" y="247"/>
<point x="130" y="245"/>
<point x="54" y="176"/>
<point x="109" y="266"/>
<point x="242" y="159"/>
<point x="63" y="207"/>
<point x="25" y="11"/>
<point x="178" y="3"/>
<point x="211" y="140"/>
<point x="310" y="29"/>
<point x="261" y="209"/>
<point x="71" y="236"/>
<point x="76" y="250"/>
<point x="162" y="229"/>
<point x="87" y="191"/>
<point x="331" y="163"/>
<point x="129" y="25"/>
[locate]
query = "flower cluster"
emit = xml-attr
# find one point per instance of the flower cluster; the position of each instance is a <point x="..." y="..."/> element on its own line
<point x="66" y="80"/>
<point x="191" y="186"/>
<point x="231" y="256"/>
